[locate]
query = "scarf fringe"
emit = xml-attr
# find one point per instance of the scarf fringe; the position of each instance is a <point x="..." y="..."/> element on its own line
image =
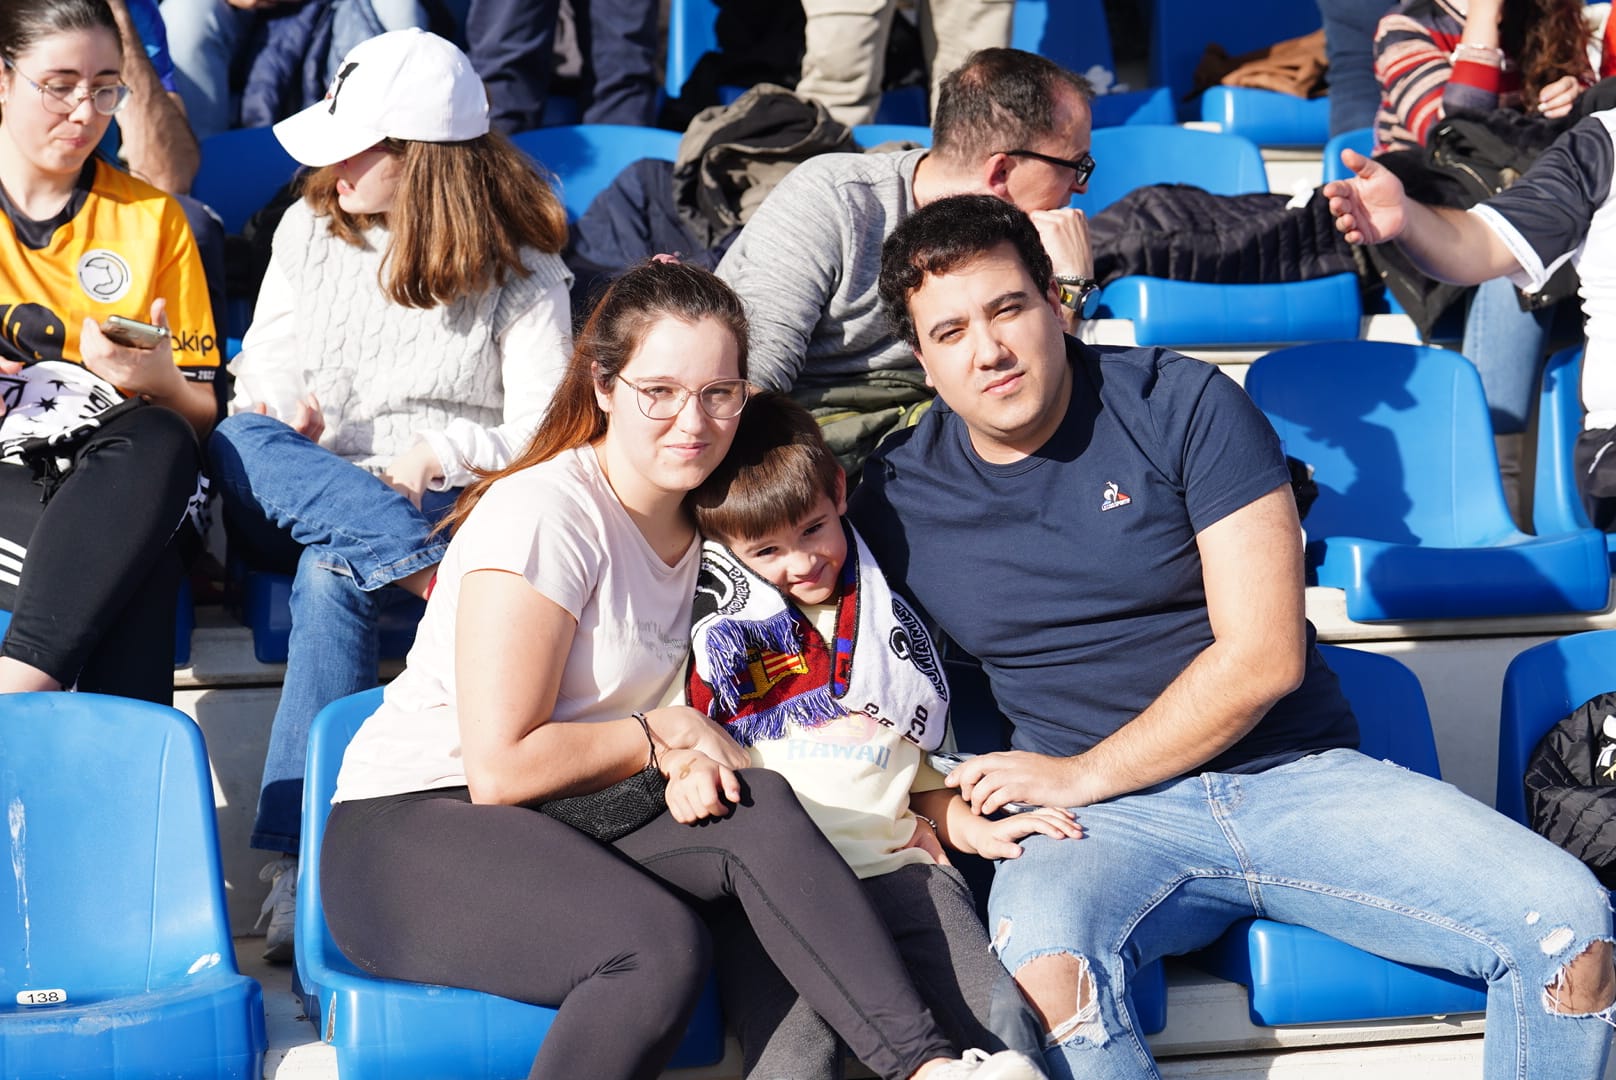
<point x="807" y="710"/>
<point x="729" y="641"/>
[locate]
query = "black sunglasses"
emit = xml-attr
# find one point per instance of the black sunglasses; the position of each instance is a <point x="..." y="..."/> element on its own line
<point x="1083" y="166"/>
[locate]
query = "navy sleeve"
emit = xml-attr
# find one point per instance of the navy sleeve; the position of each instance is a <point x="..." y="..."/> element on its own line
<point x="1230" y="454"/>
<point x="1553" y="204"/>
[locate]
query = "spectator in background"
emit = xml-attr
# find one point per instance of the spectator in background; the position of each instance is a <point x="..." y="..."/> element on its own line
<point x="1349" y="40"/>
<point x="156" y="138"/>
<point x="1435" y="57"/>
<point x="99" y="481"/>
<point x="512" y="46"/>
<point x="1009" y="123"/>
<point x="206" y="38"/>
<point x="416" y="291"/>
<point x="845" y="47"/>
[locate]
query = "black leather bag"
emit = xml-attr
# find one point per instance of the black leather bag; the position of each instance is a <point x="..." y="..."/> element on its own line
<point x="615" y="811"/>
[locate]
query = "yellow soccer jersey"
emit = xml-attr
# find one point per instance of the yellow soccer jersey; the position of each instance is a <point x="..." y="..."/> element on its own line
<point x="118" y="245"/>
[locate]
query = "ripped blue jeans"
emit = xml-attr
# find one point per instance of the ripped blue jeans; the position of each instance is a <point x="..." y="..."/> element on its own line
<point x="1387" y="860"/>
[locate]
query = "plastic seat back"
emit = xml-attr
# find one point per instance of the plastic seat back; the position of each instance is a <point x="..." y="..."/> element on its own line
<point x="1556" y="503"/>
<point x="1359" y="139"/>
<point x="1180" y="31"/>
<point x="1134" y="155"/>
<point x="110" y="807"/>
<point x="1398" y="437"/>
<point x="1541" y="687"/>
<point x="585" y="158"/>
<point x="241" y="170"/>
<point x="117" y="962"/>
<point x="1394" y="723"/>
<point x="691" y="33"/>
<point x="872" y="135"/>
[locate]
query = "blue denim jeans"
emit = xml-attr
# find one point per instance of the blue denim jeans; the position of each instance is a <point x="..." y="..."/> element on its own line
<point x="1509" y="347"/>
<point x="346" y="535"/>
<point x="205" y="36"/>
<point x="1384" y="859"/>
<point x="1349" y="45"/>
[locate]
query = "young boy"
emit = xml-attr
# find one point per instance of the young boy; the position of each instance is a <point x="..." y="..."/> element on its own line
<point x="804" y="654"/>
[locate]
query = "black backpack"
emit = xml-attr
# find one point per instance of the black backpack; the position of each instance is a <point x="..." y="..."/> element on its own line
<point x="1571" y="786"/>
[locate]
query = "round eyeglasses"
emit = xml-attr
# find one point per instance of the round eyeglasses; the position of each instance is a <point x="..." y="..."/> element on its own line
<point x="659" y="399"/>
<point x="63" y="98"/>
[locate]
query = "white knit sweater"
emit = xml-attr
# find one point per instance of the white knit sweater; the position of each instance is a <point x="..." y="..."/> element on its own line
<point x="386" y="374"/>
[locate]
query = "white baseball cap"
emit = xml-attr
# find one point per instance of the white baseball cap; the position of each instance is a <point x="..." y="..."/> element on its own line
<point x="405" y="84"/>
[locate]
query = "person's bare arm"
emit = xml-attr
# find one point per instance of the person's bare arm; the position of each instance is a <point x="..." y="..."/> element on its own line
<point x="1446" y="243"/>
<point x="158" y="143"/>
<point x="1252" y="569"/>
<point x="511" y="645"/>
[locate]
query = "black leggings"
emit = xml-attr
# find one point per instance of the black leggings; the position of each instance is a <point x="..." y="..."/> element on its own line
<point x="432" y="888"/>
<point x="90" y="569"/>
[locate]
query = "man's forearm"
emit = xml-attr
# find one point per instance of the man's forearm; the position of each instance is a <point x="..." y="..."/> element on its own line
<point x="1453" y="245"/>
<point x="158" y="143"/>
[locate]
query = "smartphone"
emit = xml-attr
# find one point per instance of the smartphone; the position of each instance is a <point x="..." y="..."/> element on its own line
<point x="945" y="763"/>
<point x="132" y="332"/>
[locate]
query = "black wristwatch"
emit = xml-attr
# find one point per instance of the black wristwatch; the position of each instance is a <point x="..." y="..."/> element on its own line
<point x="1076" y="293"/>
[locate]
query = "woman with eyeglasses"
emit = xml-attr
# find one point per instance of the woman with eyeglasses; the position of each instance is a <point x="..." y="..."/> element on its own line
<point x="553" y="642"/>
<point x="410" y="330"/>
<point x="99" y="459"/>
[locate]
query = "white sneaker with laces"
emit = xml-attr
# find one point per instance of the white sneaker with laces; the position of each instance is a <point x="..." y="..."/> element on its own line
<point x="980" y="1065"/>
<point x="280" y="908"/>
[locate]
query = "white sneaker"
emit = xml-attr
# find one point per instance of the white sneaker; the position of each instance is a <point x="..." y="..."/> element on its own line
<point x="280" y="908"/>
<point x="980" y="1065"/>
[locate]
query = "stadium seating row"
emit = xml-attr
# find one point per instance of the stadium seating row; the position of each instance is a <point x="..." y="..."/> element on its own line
<point x="155" y="990"/>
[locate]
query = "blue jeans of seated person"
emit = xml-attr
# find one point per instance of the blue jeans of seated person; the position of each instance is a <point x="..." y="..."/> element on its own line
<point x="1508" y="346"/>
<point x="1349" y="45"/>
<point x="1384" y="859"/>
<point x="205" y="36"/>
<point x="348" y="535"/>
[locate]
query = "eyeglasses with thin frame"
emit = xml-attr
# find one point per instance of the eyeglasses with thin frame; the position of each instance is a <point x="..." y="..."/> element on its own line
<point x="1083" y="166"/>
<point x="659" y="399"/>
<point x="62" y="98"/>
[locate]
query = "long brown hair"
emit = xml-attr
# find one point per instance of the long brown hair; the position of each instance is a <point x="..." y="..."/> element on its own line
<point x="642" y="297"/>
<point x="1550" y="39"/>
<point x="462" y="214"/>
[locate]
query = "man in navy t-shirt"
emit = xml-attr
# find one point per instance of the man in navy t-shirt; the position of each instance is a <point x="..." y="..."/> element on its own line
<point x="1112" y="532"/>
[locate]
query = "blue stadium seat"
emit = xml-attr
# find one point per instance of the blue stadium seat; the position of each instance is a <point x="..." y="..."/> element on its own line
<point x="1076" y="35"/>
<point x="586" y="158"/>
<point x="384" y="1029"/>
<point x="266" y="609"/>
<point x="1556" y="502"/>
<point x="184" y="623"/>
<point x="117" y="962"/>
<point x="1410" y="519"/>
<point x="1299" y="976"/>
<point x="241" y="169"/>
<point x="1183" y="313"/>
<point x="1359" y="139"/>
<point x="1541" y="687"/>
<point x="1267" y="117"/>
<point x="979" y="727"/>
<point x="871" y="135"/>
<point x="1180" y="31"/>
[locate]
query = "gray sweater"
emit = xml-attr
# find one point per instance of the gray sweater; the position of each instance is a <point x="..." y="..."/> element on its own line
<point x="806" y="265"/>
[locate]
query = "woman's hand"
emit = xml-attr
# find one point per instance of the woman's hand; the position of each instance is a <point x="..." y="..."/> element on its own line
<point x="150" y="373"/>
<point x="679" y="727"/>
<point x="698" y="787"/>
<point x="411" y="473"/>
<point x="1559" y="97"/>
<point x="309" y="421"/>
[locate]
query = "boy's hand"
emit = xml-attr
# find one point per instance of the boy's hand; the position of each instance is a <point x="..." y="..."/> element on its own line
<point x="925" y="838"/>
<point x="698" y="787"/>
<point x="996" y="838"/>
<point x="680" y="727"/>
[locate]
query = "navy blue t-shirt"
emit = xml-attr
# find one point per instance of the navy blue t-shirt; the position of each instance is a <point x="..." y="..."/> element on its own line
<point x="1073" y="574"/>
